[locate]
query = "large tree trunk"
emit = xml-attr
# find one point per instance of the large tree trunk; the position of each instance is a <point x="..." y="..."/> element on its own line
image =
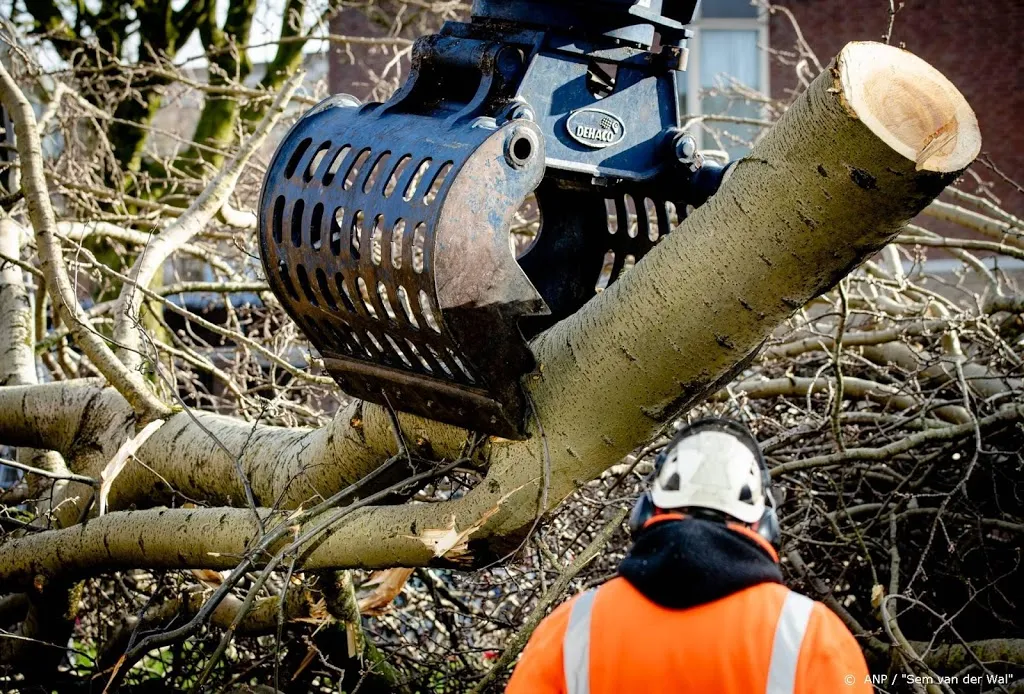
<point x="873" y="140"/>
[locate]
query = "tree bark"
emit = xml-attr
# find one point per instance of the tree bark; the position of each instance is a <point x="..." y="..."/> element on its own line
<point x="61" y="289"/>
<point x="49" y="613"/>
<point x="871" y="142"/>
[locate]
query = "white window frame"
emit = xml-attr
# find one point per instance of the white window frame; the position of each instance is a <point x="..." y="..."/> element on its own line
<point x="693" y="86"/>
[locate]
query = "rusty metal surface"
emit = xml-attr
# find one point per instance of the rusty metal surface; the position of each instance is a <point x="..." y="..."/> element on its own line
<point x="384" y="228"/>
<point x="388" y="253"/>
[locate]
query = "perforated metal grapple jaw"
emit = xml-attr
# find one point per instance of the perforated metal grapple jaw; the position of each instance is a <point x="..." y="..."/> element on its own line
<point x="384" y="228"/>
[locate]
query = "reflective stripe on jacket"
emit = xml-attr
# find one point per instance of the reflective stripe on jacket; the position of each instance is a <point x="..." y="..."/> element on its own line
<point x="765" y="638"/>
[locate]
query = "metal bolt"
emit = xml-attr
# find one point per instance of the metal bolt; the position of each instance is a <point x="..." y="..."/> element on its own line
<point x="685" y="148"/>
<point x="520" y="110"/>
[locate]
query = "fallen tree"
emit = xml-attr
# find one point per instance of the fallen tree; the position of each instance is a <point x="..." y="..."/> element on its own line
<point x="871" y="143"/>
<point x="832" y="183"/>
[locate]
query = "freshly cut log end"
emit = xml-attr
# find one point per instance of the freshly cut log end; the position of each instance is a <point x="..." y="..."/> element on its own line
<point x="909" y="105"/>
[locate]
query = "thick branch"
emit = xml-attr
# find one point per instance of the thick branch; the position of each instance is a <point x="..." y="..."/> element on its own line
<point x="953" y="657"/>
<point x="17" y="360"/>
<point x="830" y="184"/>
<point x="858" y="388"/>
<point x="375" y="537"/>
<point x="286" y="466"/>
<point x="999" y="230"/>
<point x="834" y="180"/>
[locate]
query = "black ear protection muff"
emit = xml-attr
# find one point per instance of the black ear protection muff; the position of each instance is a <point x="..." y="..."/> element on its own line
<point x="643" y="511"/>
<point x="644" y="508"/>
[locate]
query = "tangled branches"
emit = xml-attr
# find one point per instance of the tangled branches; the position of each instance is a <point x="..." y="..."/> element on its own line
<point x="890" y="410"/>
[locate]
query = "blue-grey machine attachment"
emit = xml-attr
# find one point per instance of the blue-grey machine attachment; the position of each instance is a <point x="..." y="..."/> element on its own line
<point x="385" y="227"/>
<point x="8" y="153"/>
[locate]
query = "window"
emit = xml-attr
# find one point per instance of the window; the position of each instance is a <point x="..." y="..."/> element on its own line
<point x="728" y="9"/>
<point x="728" y="68"/>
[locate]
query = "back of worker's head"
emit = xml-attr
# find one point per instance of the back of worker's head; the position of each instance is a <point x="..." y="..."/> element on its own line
<point x="711" y="469"/>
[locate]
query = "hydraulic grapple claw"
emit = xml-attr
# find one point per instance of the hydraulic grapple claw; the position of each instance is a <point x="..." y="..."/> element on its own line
<point x="384" y="228"/>
<point x="374" y="219"/>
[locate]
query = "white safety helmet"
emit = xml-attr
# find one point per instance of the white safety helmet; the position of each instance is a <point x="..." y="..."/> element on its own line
<point x="715" y="465"/>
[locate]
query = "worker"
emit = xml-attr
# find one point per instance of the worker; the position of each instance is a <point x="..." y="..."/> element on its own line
<point x="698" y="605"/>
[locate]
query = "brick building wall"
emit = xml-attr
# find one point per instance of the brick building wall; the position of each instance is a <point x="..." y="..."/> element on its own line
<point x="348" y="76"/>
<point x="977" y="45"/>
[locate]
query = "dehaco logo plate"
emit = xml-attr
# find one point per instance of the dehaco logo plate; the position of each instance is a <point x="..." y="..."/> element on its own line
<point x="595" y="128"/>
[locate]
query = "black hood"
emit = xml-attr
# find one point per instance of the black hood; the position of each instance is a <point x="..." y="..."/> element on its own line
<point x="687" y="562"/>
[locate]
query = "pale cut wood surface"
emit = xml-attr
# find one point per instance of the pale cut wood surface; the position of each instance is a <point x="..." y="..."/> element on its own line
<point x="909" y="105"/>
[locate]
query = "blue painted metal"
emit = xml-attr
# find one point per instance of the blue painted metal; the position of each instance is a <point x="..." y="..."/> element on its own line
<point x="384" y="228"/>
<point x="8" y="153"/>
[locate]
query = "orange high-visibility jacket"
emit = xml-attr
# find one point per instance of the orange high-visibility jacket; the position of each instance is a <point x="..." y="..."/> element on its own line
<point x="763" y="638"/>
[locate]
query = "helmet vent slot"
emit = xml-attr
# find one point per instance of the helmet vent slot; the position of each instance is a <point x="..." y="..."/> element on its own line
<point x="672" y="484"/>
